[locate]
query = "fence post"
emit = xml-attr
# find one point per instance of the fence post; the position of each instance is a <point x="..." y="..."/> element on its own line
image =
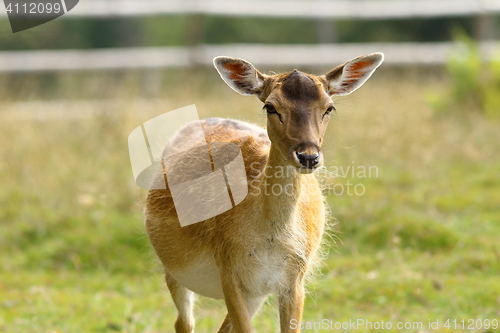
<point x="326" y="31"/>
<point x="194" y="37"/>
<point x="484" y="27"/>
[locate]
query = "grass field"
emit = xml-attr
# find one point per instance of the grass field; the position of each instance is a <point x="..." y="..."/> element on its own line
<point x="420" y="244"/>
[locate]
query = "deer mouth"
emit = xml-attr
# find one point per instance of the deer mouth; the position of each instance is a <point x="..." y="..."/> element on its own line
<point x="305" y="171"/>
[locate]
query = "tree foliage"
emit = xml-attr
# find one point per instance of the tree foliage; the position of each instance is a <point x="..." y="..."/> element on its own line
<point x="474" y="82"/>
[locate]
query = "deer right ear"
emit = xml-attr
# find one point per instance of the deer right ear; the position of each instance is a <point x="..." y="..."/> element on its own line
<point x="240" y="75"/>
<point x="348" y="77"/>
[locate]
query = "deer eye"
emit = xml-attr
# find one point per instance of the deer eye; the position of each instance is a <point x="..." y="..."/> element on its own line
<point x="329" y="110"/>
<point x="270" y="109"/>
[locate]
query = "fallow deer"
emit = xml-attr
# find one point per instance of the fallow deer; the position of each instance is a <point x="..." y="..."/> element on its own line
<point x="267" y="243"/>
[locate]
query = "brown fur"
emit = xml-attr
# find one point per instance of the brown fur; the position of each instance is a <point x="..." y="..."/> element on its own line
<point x="267" y="243"/>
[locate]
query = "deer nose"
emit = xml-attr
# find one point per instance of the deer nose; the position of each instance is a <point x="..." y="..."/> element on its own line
<point x="308" y="160"/>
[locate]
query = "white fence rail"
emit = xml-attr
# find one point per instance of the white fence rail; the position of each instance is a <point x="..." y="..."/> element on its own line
<point x="362" y="9"/>
<point x="289" y="55"/>
<point x="337" y="9"/>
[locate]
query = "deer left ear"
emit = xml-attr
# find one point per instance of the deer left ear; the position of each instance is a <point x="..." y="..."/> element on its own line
<point x="240" y="75"/>
<point x="348" y="77"/>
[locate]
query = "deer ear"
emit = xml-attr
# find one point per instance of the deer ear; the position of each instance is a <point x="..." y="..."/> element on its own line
<point x="348" y="77"/>
<point x="240" y="75"/>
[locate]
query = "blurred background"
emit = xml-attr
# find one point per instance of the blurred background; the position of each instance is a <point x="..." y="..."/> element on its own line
<point x="419" y="243"/>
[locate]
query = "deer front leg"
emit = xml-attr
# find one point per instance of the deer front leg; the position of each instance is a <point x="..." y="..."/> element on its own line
<point x="237" y="311"/>
<point x="291" y="305"/>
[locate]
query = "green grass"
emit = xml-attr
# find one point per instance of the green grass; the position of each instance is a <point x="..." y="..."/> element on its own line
<point x="420" y="244"/>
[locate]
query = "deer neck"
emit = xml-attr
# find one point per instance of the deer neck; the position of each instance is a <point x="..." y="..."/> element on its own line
<point x="279" y="186"/>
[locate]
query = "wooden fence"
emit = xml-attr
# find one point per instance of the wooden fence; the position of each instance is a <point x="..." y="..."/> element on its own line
<point x="319" y="54"/>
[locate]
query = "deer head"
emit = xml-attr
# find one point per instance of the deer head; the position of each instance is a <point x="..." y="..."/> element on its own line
<point x="298" y="105"/>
